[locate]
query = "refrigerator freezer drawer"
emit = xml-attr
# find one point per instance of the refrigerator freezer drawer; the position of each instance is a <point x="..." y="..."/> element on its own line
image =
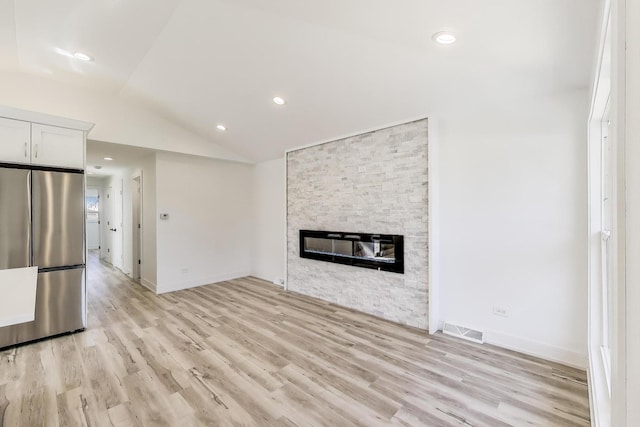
<point x="58" y="219"/>
<point x="60" y="308"/>
<point x="15" y="218"/>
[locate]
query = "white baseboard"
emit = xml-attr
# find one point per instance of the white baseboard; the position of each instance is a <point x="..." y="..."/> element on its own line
<point x="538" y="349"/>
<point x="149" y="285"/>
<point x="262" y="277"/>
<point x="435" y="326"/>
<point x="194" y="283"/>
<point x="278" y="281"/>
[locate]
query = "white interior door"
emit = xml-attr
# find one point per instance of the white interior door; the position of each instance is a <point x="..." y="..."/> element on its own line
<point x="109" y="225"/>
<point x="136" y="226"/>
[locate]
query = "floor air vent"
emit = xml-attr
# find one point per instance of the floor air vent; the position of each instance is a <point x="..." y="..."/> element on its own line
<point x="464" y="333"/>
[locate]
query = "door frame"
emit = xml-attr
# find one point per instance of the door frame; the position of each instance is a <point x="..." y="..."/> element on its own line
<point x="136" y="226"/>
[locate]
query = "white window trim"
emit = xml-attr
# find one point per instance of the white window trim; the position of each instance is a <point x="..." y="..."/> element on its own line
<point x="599" y="360"/>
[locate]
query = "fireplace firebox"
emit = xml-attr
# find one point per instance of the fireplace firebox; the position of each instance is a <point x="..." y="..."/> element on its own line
<point x="377" y="251"/>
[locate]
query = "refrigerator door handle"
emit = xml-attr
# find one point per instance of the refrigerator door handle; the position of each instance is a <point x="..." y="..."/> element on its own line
<point x="36" y="151"/>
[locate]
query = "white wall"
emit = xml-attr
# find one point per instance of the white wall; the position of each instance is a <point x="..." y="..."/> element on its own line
<point x="149" y="267"/>
<point x="513" y="233"/>
<point x="208" y="235"/>
<point x="94" y="181"/>
<point x="117" y="119"/>
<point x="268" y="224"/>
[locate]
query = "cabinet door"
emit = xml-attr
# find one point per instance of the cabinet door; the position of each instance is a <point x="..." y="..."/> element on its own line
<point x="15" y="146"/>
<point x="54" y="146"/>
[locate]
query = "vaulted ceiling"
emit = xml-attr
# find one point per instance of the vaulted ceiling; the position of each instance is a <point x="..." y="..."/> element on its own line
<point x="342" y="65"/>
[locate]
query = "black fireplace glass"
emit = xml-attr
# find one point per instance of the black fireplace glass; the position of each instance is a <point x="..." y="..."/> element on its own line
<point x="383" y="252"/>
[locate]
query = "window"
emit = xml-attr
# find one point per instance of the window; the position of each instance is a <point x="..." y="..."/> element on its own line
<point x="92" y="204"/>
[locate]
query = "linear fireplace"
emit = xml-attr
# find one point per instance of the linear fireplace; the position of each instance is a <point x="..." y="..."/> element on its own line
<point x="377" y="251"/>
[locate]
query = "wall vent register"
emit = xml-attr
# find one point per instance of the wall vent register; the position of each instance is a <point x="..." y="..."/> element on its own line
<point x="383" y="252"/>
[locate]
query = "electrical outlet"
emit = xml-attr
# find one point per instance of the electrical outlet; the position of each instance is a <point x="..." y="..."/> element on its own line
<point x="500" y="311"/>
<point x="362" y="169"/>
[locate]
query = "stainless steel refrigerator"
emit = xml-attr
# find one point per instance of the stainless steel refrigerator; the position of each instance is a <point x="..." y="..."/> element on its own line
<point x="42" y="224"/>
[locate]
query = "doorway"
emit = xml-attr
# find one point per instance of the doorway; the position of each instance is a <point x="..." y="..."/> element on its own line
<point x="136" y="227"/>
<point x="92" y="196"/>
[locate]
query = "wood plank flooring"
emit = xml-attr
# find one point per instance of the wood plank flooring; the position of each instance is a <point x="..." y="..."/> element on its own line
<point x="246" y="353"/>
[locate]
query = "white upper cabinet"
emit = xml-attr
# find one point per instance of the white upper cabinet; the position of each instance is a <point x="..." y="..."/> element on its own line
<point x="55" y="146"/>
<point x="15" y="141"/>
<point x="41" y="139"/>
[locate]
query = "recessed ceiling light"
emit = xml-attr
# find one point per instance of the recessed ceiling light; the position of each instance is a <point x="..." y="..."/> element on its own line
<point x="82" y="56"/>
<point x="279" y="100"/>
<point x="221" y="128"/>
<point x="444" y="37"/>
<point x="98" y="167"/>
<point x="108" y="158"/>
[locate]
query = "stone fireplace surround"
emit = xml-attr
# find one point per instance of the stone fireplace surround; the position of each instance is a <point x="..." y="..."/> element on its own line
<point x="370" y="183"/>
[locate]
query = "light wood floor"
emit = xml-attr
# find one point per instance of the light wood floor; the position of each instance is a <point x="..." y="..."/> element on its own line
<point x="246" y="353"/>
